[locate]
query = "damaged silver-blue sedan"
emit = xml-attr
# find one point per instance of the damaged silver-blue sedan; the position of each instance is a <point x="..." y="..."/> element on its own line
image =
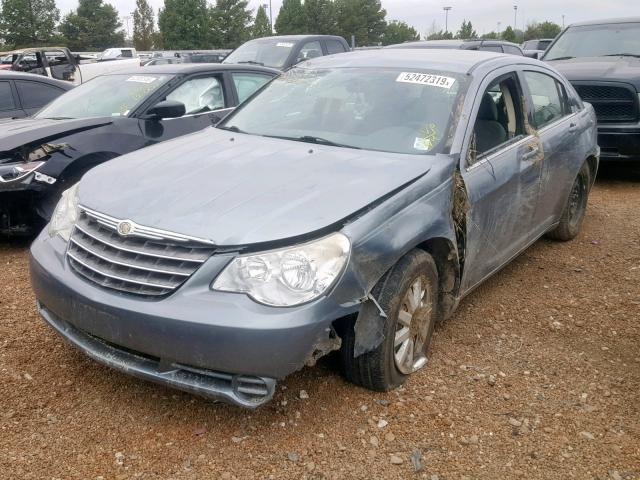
<point x="349" y="205"/>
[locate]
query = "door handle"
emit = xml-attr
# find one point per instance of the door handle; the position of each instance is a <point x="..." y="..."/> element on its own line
<point x="573" y="127"/>
<point x="533" y="152"/>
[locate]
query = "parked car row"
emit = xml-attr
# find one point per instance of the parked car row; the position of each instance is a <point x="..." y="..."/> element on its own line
<point x="221" y="226"/>
<point x="59" y="63"/>
<point x="112" y="115"/>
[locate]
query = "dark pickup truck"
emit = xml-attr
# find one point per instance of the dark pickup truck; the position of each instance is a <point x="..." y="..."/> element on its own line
<point x="601" y="59"/>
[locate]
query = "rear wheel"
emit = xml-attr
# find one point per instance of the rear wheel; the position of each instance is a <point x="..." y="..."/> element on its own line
<point x="408" y="295"/>
<point x="575" y="208"/>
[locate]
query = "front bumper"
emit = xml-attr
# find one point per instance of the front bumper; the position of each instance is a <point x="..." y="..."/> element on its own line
<point x="619" y="142"/>
<point x="210" y="343"/>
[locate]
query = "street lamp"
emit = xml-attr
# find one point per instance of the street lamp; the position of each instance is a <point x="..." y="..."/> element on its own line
<point x="126" y="19"/>
<point x="270" y="15"/>
<point x="446" y="18"/>
<point x="562" y="21"/>
<point x="515" y="16"/>
<point x="498" y="32"/>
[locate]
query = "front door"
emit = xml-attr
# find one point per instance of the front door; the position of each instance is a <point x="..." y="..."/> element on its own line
<point x="501" y="173"/>
<point x="206" y="102"/>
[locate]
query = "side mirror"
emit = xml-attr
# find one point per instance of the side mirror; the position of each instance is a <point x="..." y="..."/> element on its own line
<point x="166" y="109"/>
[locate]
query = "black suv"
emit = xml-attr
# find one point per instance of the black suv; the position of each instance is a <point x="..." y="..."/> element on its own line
<point x="499" y="46"/>
<point x="601" y="59"/>
<point x="284" y="51"/>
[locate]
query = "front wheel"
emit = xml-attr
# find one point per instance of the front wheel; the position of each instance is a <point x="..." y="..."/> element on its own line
<point x="575" y="208"/>
<point x="408" y="294"/>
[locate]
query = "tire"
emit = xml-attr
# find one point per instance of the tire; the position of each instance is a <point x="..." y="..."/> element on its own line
<point x="575" y="208"/>
<point x="379" y="369"/>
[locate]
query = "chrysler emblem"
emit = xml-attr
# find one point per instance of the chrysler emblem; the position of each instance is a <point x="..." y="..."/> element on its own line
<point x="125" y="228"/>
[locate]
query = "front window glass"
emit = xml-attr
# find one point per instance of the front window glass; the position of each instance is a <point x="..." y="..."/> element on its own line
<point x="391" y="110"/>
<point x="597" y="41"/>
<point x="105" y="96"/>
<point x="268" y="52"/>
<point x="199" y="95"/>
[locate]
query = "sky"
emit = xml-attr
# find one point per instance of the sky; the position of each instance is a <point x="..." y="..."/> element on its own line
<point x="484" y="14"/>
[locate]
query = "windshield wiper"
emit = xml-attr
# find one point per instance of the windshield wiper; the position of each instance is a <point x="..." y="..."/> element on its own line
<point x="58" y="118"/>
<point x="252" y="62"/>
<point x="312" y="139"/>
<point x="559" y="58"/>
<point x="621" y="55"/>
<point x="232" y="128"/>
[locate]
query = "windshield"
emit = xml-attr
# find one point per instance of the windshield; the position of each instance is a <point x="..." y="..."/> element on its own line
<point x="388" y="110"/>
<point x="105" y="96"/>
<point x="268" y="52"/>
<point x="596" y="41"/>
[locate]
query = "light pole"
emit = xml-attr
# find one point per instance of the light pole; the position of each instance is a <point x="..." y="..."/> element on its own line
<point x="515" y="16"/>
<point x="270" y="17"/>
<point x="126" y="19"/>
<point x="446" y="18"/>
<point x="498" y="32"/>
<point x="563" y="21"/>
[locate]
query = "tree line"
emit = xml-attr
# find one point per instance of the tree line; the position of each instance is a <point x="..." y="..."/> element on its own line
<point x="199" y="24"/>
<point x="532" y="31"/>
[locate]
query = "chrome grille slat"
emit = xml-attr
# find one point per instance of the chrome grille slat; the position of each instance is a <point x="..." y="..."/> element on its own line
<point x="96" y="269"/>
<point x="133" y="264"/>
<point x="120" y="245"/>
<point x="141" y="266"/>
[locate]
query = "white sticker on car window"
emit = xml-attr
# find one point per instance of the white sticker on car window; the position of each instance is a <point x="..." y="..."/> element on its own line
<point x="426" y="79"/>
<point x="141" y="79"/>
<point x="284" y="44"/>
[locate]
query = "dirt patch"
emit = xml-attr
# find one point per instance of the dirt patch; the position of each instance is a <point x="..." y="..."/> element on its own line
<point x="536" y="376"/>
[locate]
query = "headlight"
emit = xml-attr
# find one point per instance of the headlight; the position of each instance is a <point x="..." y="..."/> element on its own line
<point x="288" y="276"/>
<point x="11" y="173"/>
<point x="65" y="215"/>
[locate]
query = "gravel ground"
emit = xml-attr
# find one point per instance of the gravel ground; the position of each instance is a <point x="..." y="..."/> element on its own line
<point x="536" y="376"/>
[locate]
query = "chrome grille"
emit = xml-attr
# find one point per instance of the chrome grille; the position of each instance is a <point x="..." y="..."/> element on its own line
<point x="612" y="103"/>
<point x="148" y="262"/>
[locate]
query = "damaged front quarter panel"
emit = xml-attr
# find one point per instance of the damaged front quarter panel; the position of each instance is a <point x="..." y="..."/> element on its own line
<point x="422" y="212"/>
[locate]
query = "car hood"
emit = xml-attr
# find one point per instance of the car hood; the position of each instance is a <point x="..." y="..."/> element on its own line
<point x="237" y="189"/>
<point x="19" y="132"/>
<point x="612" y="69"/>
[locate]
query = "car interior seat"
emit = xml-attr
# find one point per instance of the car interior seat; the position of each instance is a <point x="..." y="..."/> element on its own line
<point x="488" y="130"/>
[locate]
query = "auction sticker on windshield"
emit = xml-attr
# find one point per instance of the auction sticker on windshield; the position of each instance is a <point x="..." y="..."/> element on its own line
<point x="284" y="44"/>
<point x="141" y="79"/>
<point x="426" y="79"/>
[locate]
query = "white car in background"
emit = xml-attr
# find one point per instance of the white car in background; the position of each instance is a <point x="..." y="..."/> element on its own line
<point x="61" y="64"/>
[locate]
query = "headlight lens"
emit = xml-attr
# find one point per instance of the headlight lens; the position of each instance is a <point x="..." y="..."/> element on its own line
<point x="288" y="276"/>
<point x="14" y="172"/>
<point x="65" y="215"/>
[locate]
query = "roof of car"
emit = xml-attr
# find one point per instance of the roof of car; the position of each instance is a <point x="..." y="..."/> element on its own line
<point x="189" y="68"/>
<point x="298" y="37"/>
<point x="10" y="75"/>
<point x="606" y="21"/>
<point x="451" y="43"/>
<point x="463" y="61"/>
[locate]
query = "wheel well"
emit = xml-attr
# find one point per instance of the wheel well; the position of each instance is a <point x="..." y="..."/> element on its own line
<point x="592" y="162"/>
<point x="445" y="255"/>
<point x="82" y="164"/>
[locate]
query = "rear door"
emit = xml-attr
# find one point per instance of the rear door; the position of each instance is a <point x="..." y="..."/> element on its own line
<point x="334" y="46"/>
<point x="35" y="95"/>
<point x="246" y="84"/>
<point x="9" y="106"/>
<point x="501" y="172"/>
<point x="557" y="127"/>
